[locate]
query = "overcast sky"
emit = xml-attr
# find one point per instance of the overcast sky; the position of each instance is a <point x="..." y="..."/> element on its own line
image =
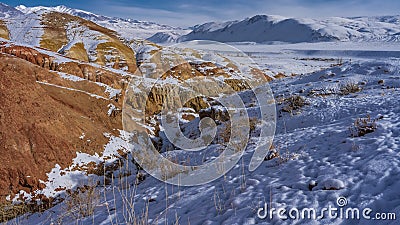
<point x="187" y="13"/>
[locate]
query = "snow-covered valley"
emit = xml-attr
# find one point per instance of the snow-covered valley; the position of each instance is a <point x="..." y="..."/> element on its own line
<point x="314" y="145"/>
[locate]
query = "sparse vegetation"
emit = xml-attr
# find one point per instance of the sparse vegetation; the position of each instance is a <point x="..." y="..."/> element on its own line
<point x="286" y="156"/>
<point x="9" y="211"/>
<point x="339" y="62"/>
<point x="348" y="88"/>
<point x="253" y="122"/>
<point x="127" y="192"/>
<point x="218" y="203"/>
<point x="293" y="103"/>
<point x="363" y="126"/>
<point x="275" y="153"/>
<point x="82" y="202"/>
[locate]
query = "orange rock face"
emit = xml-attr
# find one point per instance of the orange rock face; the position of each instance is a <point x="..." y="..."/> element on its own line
<point x="40" y="124"/>
<point x="30" y="55"/>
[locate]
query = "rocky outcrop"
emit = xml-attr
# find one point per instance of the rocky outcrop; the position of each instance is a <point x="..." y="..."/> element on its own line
<point x="82" y="70"/>
<point x="183" y="71"/>
<point x="237" y="84"/>
<point x="216" y="113"/>
<point x="30" y="55"/>
<point x="4" y="31"/>
<point x="210" y="69"/>
<point x="259" y="73"/>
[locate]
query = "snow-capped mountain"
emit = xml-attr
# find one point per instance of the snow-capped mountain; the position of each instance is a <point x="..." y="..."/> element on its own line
<point x="134" y="29"/>
<point x="167" y="36"/>
<point x="262" y="28"/>
<point x="128" y="28"/>
<point x="8" y="11"/>
<point x="62" y="9"/>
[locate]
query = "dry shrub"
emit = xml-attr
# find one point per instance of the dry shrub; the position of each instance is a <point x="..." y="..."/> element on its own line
<point x="293" y="103"/>
<point x="9" y="211"/>
<point x="253" y="122"/>
<point x="363" y="126"/>
<point x="83" y="201"/>
<point x="280" y="156"/>
<point x="348" y="88"/>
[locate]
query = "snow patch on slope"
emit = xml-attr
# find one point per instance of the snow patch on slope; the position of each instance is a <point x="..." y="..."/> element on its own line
<point x="25" y="29"/>
<point x="78" y="33"/>
<point x="8" y="11"/>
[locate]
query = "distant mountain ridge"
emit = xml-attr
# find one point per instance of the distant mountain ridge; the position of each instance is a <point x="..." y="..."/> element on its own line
<point x="127" y="28"/>
<point x="263" y="28"/>
<point x="62" y="9"/>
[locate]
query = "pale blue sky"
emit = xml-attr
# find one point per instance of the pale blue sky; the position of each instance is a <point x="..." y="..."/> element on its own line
<point x="187" y="13"/>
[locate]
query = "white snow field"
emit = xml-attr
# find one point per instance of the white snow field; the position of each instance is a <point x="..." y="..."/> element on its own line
<point x="322" y="156"/>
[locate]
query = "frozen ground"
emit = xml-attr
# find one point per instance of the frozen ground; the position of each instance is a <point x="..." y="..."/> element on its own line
<point x="315" y="144"/>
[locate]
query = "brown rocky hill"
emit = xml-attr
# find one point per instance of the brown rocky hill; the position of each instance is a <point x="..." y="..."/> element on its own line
<point x="42" y="115"/>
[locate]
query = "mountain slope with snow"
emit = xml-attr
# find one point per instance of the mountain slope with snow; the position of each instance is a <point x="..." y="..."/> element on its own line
<point x="61" y="9"/>
<point x="129" y="29"/>
<point x="8" y="11"/>
<point x="262" y="28"/>
<point x="167" y="36"/>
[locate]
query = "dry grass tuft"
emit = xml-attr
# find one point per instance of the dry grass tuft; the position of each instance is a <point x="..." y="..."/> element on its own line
<point x="348" y="88"/>
<point x="82" y="202"/>
<point x="10" y="211"/>
<point x="363" y="126"/>
<point x="293" y="103"/>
